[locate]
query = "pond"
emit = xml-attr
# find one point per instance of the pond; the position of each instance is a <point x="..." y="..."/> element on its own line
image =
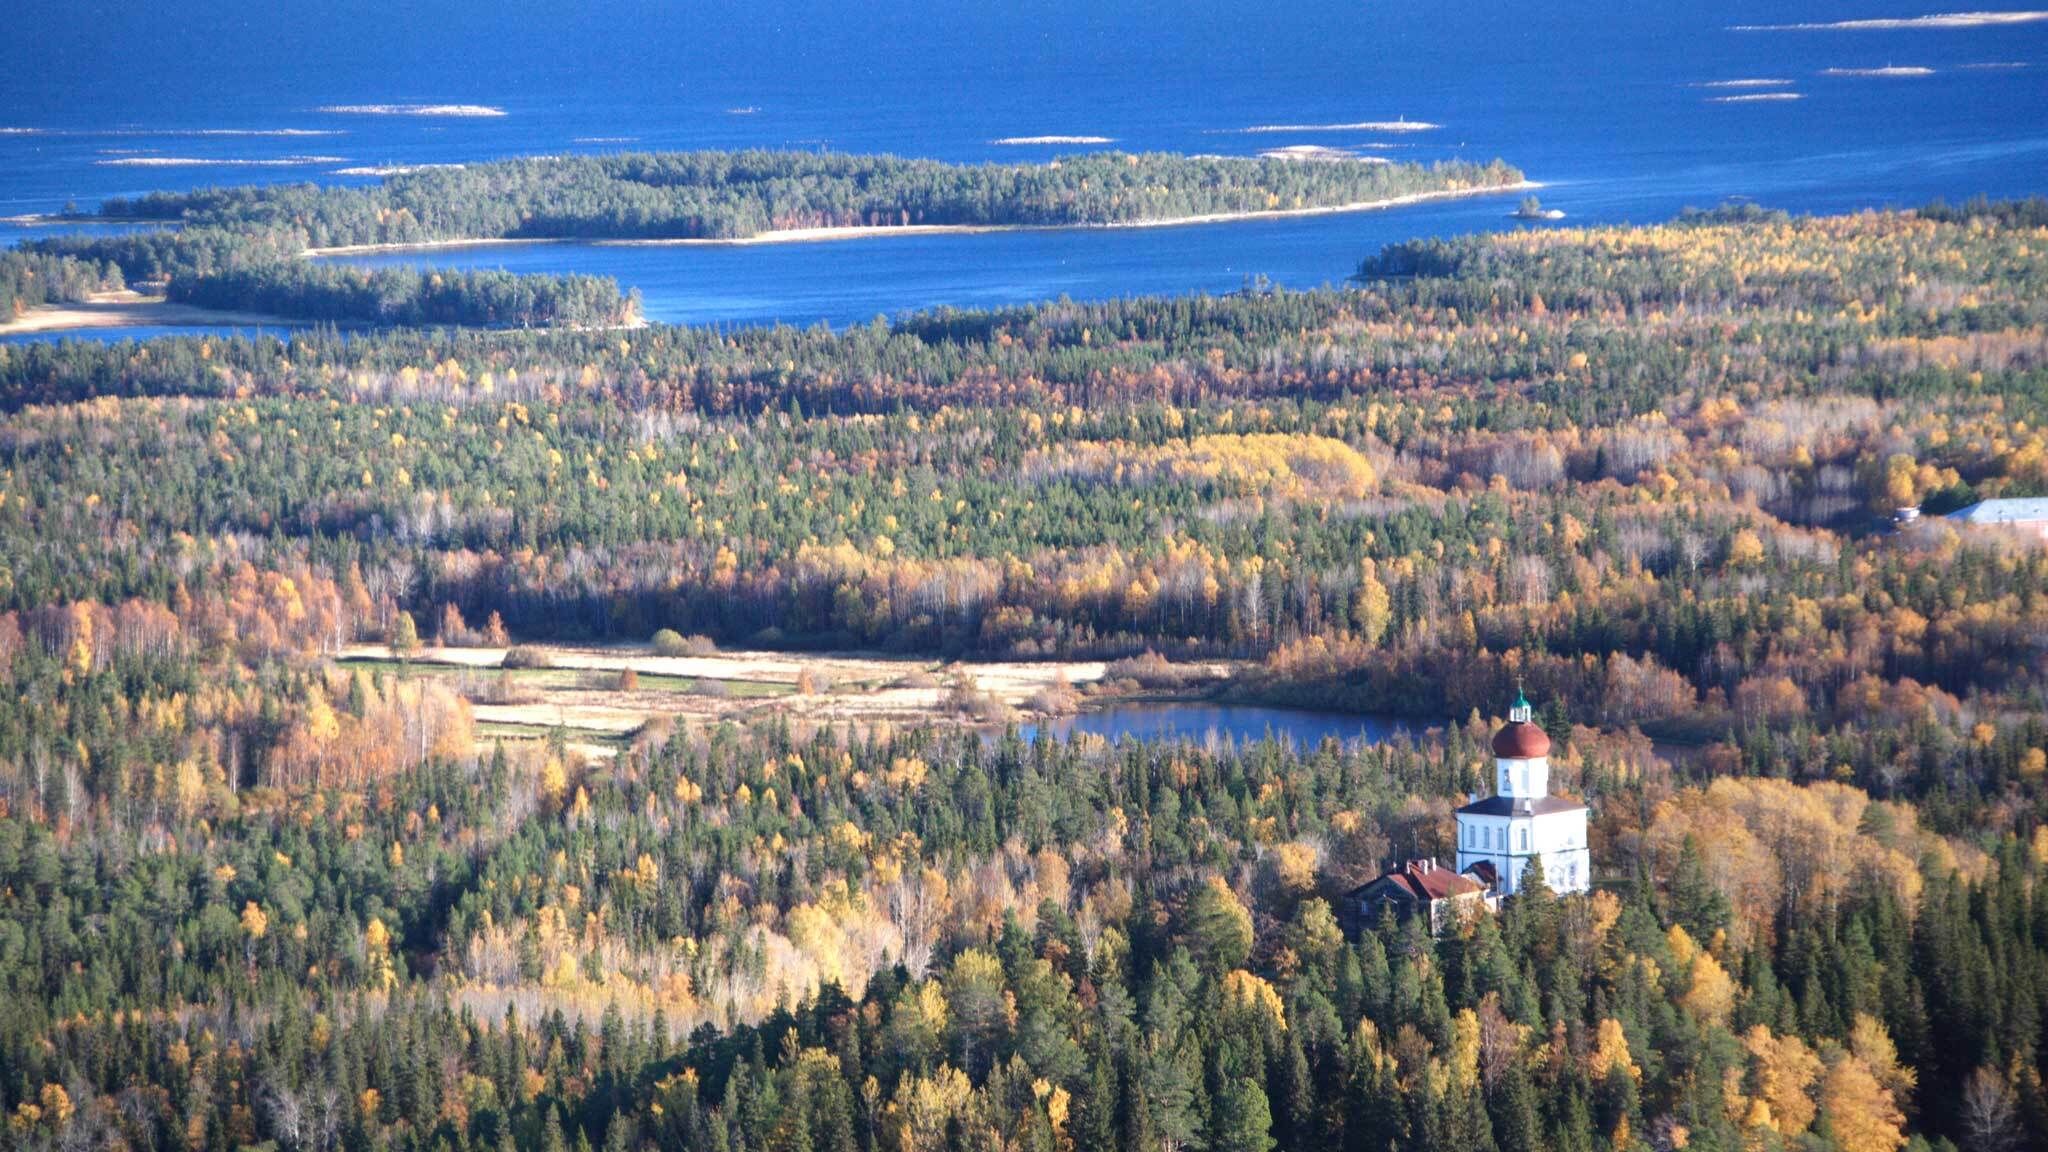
<point x="1220" y="723"/>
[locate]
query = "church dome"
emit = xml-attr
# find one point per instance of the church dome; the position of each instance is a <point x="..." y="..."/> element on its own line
<point x="1521" y="740"/>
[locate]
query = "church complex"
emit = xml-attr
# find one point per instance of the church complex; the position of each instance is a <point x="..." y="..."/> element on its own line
<point x="1500" y="838"/>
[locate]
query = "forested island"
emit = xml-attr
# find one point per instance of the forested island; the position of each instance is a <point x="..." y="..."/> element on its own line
<point x="258" y="889"/>
<point x="264" y="272"/>
<point x="737" y="195"/>
<point x="241" y="248"/>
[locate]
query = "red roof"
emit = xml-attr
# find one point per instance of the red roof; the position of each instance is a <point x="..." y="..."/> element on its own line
<point x="1521" y="740"/>
<point x="1426" y="881"/>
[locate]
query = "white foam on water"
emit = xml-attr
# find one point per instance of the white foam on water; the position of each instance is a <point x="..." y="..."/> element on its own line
<point x="389" y="169"/>
<point x="213" y="162"/>
<point x="1354" y="126"/>
<point x="1054" y="140"/>
<point x="470" y="110"/>
<point x="141" y="133"/>
<point x="1937" y="20"/>
<point x="1320" y="152"/>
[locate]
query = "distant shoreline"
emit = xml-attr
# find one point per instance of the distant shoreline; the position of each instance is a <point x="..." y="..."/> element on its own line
<point x="861" y="232"/>
<point x="127" y="309"/>
<point x="60" y="219"/>
<point x="429" y="245"/>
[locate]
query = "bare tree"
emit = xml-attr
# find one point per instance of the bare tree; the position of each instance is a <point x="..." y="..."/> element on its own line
<point x="139" y="1116"/>
<point x="1990" y="1119"/>
<point x="285" y="1114"/>
<point x="91" y="1126"/>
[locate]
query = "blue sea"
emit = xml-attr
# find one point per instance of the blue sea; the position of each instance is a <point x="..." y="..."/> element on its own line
<point x="1608" y="103"/>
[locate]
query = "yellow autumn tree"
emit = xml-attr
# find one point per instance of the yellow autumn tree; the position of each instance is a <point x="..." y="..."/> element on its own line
<point x="1249" y="1001"/>
<point x="56" y="1105"/>
<point x="924" y="1107"/>
<point x="1291" y="870"/>
<point x="1745" y="550"/>
<point x="377" y="953"/>
<point x="1709" y="993"/>
<point x="1372" y="608"/>
<point x="1610" y="1051"/>
<point x="554" y="779"/>
<point x="1871" y="1044"/>
<point x="1782" y="1072"/>
<point x="1860" y="1114"/>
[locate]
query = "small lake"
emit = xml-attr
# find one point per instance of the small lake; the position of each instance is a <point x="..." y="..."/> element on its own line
<point x="1222" y="723"/>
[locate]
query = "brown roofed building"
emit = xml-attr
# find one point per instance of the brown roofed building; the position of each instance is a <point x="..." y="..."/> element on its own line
<point x="1417" y="886"/>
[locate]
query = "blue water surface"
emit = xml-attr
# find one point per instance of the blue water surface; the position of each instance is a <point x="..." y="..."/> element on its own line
<point x="1219" y="724"/>
<point x="1600" y="99"/>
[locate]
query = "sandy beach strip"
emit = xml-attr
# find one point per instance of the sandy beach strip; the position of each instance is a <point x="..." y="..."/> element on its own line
<point x="429" y="245"/>
<point x="862" y="232"/>
<point x="132" y="310"/>
<point x="59" y="220"/>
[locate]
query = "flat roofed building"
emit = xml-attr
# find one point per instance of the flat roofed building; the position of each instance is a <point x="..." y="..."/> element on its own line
<point x="2027" y="517"/>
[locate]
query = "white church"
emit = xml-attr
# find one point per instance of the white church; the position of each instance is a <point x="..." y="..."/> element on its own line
<point x="1522" y="822"/>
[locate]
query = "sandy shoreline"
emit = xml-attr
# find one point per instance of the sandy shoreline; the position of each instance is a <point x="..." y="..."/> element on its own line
<point x="425" y="246"/>
<point x="812" y="235"/>
<point x="58" y="220"/>
<point x="132" y="310"/>
<point x="129" y="310"/>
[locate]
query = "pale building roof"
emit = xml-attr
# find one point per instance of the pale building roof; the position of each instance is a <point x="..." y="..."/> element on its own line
<point x="2024" y="511"/>
<point x="1521" y="806"/>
